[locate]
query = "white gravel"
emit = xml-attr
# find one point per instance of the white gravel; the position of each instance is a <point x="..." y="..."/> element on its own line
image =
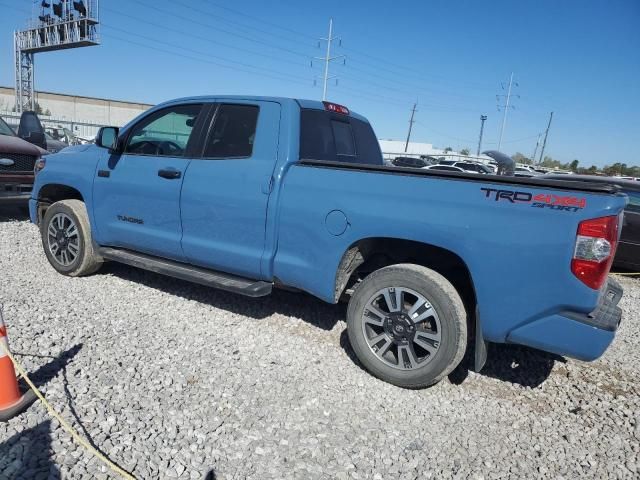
<point x="171" y="380"/>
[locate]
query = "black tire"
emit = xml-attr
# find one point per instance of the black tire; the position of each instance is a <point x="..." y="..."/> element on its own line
<point x="85" y="259"/>
<point x="448" y="324"/>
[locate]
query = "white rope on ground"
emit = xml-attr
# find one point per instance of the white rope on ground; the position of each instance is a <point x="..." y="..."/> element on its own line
<point x="76" y="436"/>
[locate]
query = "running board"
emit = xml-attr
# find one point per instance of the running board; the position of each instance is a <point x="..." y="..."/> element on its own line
<point x="183" y="271"/>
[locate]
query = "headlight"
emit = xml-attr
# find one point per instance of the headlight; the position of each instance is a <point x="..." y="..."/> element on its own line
<point x="39" y="165"/>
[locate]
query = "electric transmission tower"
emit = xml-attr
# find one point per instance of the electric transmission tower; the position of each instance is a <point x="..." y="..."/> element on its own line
<point x="507" y="105"/>
<point x="55" y="25"/>
<point x="327" y="59"/>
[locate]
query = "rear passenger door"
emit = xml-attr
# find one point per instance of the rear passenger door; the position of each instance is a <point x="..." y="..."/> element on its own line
<point x="226" y="192"/>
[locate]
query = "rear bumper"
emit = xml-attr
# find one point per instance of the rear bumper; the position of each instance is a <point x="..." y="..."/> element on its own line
<point x="573" y="334"/>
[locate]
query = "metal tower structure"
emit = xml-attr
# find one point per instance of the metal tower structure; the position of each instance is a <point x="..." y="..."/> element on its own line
<point x="59" y="25"/>
<point x="327" y="59"/>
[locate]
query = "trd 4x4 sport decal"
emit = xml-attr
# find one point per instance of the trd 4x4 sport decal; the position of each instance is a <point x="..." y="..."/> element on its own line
<point x="541" y="200"/>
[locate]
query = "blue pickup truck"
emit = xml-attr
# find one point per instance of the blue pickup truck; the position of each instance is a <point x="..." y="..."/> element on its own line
<point x="248" y="194"/>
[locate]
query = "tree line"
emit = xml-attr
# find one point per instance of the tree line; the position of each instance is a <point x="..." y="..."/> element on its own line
<point x="618" y="168"/>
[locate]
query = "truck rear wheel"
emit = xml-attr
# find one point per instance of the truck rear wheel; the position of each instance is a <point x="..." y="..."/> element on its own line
<point x="66" y="238"/>
<point x="407" y="324"/>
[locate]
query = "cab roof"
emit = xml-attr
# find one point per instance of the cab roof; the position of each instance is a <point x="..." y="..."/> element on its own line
<point x="303" y="103"/>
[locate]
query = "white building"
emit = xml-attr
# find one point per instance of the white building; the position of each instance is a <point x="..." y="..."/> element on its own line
<point x="77" y="109"/>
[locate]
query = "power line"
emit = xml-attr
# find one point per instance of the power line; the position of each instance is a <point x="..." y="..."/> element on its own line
<point x="205" y="39"/>
<point x="375" y="97"/>
<point x="191" y="20"/>
<point x="260" y="20"/>
<point x="298" y="33"/>
<point x="393" y="73"/>
<point x="205" y="60"/>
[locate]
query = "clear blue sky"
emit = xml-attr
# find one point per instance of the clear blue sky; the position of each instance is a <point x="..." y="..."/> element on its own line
<point x="580" y="59"/>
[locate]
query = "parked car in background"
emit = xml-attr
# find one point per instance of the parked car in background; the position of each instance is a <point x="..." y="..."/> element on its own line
<point x="17" y="161"/>
<point x="220" y="191"/>
<point x="628" y="253"/>
<point x="55" y="138"/>
<point x="65" y="135"/>
<point x="446" y="168"/>
<point x="474" y="167"/>
<point x="53" y="145"/>
<point x="525" y="172"/>
<point x="410" y="162"/>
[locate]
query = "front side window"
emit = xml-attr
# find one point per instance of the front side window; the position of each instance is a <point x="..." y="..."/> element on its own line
<point x="165" y="133"/>
<point x="233" y="132"/>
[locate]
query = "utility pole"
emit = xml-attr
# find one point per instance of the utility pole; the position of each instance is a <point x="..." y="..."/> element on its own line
<point x="546" y="133"/>
<point x="535" y="150"/>
<point x="506" y="108"/>
<point x="482" y="119"/>
<point x="328" y="59"/>
<point x="411" y="121"/>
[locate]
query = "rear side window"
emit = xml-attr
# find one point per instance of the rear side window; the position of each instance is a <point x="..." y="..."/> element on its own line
<point x="233" y="132"/>
<point x="634" y="201"/>
<point x="329" y="136"/>
<point x="343" y="136"/>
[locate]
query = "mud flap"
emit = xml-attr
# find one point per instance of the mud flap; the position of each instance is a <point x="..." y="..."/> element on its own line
<point x="480" y="345"/>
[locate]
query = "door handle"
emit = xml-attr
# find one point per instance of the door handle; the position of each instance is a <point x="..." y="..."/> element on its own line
<point x="169" y="173"/>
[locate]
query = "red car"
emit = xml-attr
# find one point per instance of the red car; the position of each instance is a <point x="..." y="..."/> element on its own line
<point x="18" y="157"/>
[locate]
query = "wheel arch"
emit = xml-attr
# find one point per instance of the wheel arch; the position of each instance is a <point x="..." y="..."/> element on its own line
<point x="50" y="193"/>
<point x="370" y="254"/>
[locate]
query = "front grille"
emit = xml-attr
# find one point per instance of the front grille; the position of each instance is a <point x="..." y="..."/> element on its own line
<point x="22" y="163"/>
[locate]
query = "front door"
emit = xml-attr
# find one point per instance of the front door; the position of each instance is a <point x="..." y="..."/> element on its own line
<point x="226" y="192"/>
<point x="136" y="194"/>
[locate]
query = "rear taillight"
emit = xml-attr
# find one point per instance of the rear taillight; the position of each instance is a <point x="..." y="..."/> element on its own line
<point x="596" y="243"/>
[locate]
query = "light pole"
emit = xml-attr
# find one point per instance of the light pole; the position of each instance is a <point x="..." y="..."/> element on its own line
<point x="482" y="120"/>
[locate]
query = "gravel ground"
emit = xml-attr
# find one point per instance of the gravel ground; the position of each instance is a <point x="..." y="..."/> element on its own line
<point x="172" y="380"/>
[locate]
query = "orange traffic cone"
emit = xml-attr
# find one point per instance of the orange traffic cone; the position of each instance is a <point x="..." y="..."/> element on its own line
<point x="12" y="401"/>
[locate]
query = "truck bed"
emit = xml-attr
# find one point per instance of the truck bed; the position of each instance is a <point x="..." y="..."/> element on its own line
<point x="574" y="185"/>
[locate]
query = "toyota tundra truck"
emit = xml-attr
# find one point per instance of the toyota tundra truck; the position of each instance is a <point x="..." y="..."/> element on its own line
<point x="248" y="194"/>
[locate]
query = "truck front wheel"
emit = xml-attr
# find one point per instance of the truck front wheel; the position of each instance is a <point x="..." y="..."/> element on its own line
<point x="66" y="238"/>
<point x="407" y="324"/>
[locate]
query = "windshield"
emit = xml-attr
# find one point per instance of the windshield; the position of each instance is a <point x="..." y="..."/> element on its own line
<point x="6" y="129"/>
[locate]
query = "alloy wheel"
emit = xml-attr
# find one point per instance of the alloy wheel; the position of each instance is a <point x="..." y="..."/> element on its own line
<point x="63" y="239"/>
<point x="401" y="327"/>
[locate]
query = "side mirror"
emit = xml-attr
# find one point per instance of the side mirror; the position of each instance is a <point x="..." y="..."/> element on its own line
<point x="107" y="137"/>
